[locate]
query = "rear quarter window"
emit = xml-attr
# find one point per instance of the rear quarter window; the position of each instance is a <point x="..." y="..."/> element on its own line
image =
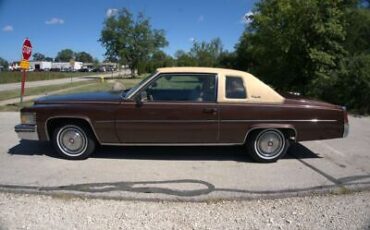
<point x="235" y="88"/>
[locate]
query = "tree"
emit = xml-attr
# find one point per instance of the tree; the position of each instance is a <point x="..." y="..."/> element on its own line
<point x="207" y="54"/>
<point x="131" y="40"/>
<point x="358" y="31"/>
<point x="96" y="62"/>
<point x="184" y="59"/>
<point x="4" y="63"/>
<point x="111" y="59"/>
<point x="49" y="59"/>
<point x="296" y="45"/>
<point x="227" y="60"/>
<point x="65" y="55"/>
<point x="353" y="86"/>
<point x="244" y="59"/>
<point x="353" y="82"/>
<point x="38" y="57"/>
<point x="41" y="57"/>
<point x="203" y="53"/>
<point x="157" y="60"/>
<point x="84" y="57"/>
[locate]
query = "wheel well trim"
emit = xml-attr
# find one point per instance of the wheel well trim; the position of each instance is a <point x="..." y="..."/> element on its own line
<point x="271" y="126"/>
<point x="70" y="117"/>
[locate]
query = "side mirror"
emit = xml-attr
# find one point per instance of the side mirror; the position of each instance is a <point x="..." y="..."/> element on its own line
<point x="141" y="97"/>
<point x="138" y="100"/>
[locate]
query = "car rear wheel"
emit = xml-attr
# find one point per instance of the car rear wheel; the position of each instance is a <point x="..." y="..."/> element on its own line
<point x="267" y="145"/>
<point x="73" y="141"/>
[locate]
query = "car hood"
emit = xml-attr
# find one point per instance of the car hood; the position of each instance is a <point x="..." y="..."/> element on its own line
<point x="101" y="96"/>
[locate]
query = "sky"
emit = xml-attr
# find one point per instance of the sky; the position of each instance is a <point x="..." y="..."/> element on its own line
<point x="52" y="25"/>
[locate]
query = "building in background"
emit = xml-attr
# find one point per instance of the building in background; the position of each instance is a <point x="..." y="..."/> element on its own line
<point x="40" y="65"/>
<point x="14" y="66"/>
<point x="108" y="66"/>
<point x="66" y="66"/>
<point x="71" y="67"/>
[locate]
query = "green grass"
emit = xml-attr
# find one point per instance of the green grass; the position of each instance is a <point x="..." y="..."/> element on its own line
<point x="4" y="95"/>
<point x="106" y="86"/>
<point x="15" y="107"/>
<point x="11" y="77"/>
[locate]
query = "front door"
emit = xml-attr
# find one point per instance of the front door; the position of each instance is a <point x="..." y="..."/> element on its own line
<point x="178" y="109"/>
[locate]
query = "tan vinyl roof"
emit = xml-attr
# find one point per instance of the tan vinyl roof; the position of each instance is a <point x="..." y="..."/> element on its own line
<point x="196" y="70"/>
<point x="257" y="91"/>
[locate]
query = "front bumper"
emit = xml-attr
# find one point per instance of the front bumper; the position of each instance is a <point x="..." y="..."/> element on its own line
<point x="27" y="132"/>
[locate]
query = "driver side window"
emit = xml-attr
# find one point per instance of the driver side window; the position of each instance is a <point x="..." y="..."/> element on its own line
<point x="183" y="87"/>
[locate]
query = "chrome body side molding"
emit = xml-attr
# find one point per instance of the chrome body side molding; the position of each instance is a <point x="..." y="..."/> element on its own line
<point x="171" y="144"/>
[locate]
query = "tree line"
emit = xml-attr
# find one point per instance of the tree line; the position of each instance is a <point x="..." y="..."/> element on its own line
<point x="65" y="55"/>
<point x="318" y="48"/>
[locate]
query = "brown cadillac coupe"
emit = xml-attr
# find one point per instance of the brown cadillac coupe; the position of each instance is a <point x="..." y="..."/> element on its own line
<point x="183" y="106"/>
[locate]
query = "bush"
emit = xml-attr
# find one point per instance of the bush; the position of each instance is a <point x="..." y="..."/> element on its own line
<point x="353" y="85"/>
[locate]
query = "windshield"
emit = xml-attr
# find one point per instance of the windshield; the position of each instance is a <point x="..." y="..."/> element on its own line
<point x="133" y="89"/>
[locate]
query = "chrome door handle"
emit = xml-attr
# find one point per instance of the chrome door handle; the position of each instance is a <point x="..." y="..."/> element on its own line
<point x="210" y="110"/>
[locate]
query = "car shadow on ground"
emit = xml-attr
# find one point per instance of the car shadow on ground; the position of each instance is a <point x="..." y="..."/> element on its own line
<point x="211" y="153"/>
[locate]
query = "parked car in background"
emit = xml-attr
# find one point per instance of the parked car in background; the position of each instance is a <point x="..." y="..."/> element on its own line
<point x="102" y="69"/>
<point x="84" y="70"/>
<point x="183" y="106"/>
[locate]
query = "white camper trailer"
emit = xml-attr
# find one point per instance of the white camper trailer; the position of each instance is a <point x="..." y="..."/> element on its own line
<point x="66" y="66"/>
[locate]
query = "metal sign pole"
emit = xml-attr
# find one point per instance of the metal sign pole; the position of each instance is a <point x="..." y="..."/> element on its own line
<point x="22" y="86"/>
<point x="72" y="67"/>
<point x="24" y="64"/>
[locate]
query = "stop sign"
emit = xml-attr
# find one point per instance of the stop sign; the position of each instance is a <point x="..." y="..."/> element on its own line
<point x="26" y="49"/>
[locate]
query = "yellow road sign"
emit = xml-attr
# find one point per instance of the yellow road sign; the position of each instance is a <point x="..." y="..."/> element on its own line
<point x="24" y="64"/>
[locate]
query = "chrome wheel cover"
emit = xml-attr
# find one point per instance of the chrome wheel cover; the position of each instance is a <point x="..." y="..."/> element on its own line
<point x="72" y="140"/>
<point x="269" y="144"/>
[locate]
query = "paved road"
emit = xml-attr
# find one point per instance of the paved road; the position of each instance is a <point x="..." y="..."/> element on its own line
<point x="32" y="84"/>
<point x="186" y="173"/>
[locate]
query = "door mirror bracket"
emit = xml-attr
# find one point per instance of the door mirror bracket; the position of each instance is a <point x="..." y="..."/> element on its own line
<point x="141" y="98"/>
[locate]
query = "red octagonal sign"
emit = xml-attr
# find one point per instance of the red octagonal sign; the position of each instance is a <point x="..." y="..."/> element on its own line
<point x="26" y="49"/>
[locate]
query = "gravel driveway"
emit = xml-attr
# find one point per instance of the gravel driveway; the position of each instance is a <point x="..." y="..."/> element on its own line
<point x="351" y="211"/>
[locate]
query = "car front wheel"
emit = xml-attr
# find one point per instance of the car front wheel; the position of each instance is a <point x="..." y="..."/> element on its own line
<point x="267" y="145"/>
<point x="73" y="141"/>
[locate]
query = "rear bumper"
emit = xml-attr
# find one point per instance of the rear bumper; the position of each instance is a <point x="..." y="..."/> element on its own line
<point x="27" y="132"/>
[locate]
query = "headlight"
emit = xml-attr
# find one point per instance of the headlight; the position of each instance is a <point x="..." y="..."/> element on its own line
<point x="28" y="118"/>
